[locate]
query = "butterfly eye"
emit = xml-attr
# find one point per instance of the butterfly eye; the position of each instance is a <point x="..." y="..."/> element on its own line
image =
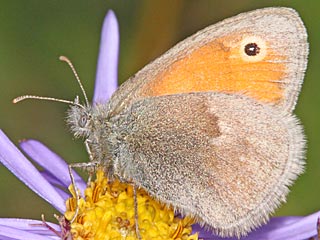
<point x="83" y="121"/>
<point x="253" y="49"/>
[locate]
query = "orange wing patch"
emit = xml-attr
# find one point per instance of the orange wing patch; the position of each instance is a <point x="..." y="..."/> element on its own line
<point x="223" y="66"/>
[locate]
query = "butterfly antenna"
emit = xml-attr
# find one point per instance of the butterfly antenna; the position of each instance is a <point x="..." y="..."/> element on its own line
<point x="65" y="59"/>
<point x="21" y="98"/>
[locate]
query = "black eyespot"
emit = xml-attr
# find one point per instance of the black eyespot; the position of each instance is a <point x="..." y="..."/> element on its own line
<point x="83" y="121"/>
<point x="252" y="49"/>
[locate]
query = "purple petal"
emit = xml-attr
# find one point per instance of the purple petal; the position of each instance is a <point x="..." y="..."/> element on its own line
<point x="19" y="165"/>
<point x="12" y="233"/>
<point x="33" y="226"/>
<point x="52" y="179"/>
<point x="51" y="162"/>
<point x="56" y="184"/>
<point x="279" y="228"/>
<point x="107" y="67"/>
<point x="291" y="228"/>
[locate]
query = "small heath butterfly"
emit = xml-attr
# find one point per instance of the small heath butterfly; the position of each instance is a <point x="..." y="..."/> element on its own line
<point x="208" y="127"/>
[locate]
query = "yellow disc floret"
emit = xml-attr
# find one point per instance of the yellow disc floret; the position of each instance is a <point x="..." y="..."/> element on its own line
<point x="108" y="212"/>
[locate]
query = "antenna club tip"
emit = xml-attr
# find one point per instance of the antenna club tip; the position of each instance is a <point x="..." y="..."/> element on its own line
<point x="16" y="100"/>
<point x="63" y="58"/>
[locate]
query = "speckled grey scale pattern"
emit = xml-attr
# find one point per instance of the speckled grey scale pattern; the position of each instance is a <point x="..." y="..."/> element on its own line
<point x="227" y="175"/>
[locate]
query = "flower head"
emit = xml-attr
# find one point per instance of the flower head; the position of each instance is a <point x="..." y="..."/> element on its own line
<point x="108" y="212"/>
<point x="51" y="183"/>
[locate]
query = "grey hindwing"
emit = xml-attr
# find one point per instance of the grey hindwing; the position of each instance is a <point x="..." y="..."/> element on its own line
<point x="225" y="159"/>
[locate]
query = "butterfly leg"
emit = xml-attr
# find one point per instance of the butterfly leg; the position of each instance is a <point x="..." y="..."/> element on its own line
<point x="86" y="143"/>
<point x="75" y="189"/>
<point x="73" y="182"/>
<point x="135" y="199"/>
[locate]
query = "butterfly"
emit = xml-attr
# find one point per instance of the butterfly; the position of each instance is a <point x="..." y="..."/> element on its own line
<point x="208" y="127"/>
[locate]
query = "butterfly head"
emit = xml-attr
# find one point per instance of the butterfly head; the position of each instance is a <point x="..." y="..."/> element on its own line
<point x="79" y="119"/>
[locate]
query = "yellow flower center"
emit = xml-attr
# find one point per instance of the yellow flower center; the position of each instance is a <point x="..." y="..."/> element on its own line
<point x="107" y="212"/>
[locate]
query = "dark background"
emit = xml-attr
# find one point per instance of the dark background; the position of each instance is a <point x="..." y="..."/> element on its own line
<point x="34" y="33"/>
